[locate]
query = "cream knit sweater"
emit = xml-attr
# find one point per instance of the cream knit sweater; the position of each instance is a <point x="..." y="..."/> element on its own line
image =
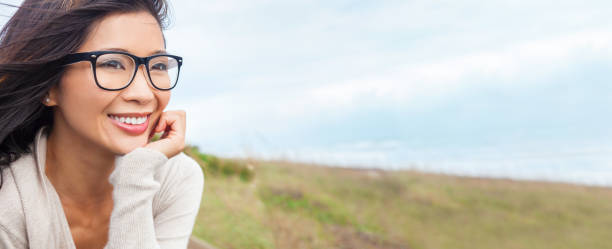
<point x="156" y="200"/>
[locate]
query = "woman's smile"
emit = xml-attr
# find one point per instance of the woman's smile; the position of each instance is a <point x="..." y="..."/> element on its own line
<point x="132" y="123"/>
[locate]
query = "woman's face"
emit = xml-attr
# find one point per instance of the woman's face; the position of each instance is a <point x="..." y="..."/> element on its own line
<point x="83" y="109"/>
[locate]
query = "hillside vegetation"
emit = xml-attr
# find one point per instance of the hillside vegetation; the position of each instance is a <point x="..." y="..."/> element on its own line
<point x="273" y="204"/>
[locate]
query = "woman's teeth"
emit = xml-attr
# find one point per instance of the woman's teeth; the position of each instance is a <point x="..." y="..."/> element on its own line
<point x="130" y="120"/>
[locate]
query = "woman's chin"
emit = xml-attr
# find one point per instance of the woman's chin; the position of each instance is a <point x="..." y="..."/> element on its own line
<point x="128" y="145"/>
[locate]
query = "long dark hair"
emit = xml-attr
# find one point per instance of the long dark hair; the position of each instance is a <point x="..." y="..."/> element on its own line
<point x="39" y="34"/>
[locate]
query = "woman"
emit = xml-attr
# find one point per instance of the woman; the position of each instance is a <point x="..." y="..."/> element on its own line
<point x="83" y="88"/>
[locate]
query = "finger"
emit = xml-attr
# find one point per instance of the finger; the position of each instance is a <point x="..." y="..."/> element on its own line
<point x="176" y="121"/>
<point x="167" y="130"/>
<point x="179" y="121"/>
<point x="161" y="123"/>
<point x="170" y="123"/>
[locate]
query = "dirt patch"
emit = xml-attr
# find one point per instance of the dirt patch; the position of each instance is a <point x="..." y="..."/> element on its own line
<point x="348" y="238"/>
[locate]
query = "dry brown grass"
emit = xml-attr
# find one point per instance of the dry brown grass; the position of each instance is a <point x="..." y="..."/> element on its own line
<point x="297" y="205"/>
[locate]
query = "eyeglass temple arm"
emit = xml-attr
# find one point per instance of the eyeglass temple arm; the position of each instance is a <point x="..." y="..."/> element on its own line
<point x="76" y="57"/>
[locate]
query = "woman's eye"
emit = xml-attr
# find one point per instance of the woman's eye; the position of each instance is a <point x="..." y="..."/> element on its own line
<point x="160" y="67"/>
<point x="112" y="65"/>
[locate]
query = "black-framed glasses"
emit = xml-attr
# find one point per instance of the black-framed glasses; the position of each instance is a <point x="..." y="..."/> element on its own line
<point x="115" y="70"/>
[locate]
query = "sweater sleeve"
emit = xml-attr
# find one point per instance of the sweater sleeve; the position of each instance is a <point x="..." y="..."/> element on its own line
<point x="132" y="223"/>
<point x="178" y="202"/>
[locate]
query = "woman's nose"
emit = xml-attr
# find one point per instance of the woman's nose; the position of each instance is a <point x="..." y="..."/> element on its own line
<point x="140" y="89"/>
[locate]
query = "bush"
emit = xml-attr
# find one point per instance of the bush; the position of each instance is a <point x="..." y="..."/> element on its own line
<point x="213" y="163"/>
<point x="217" y="166"/>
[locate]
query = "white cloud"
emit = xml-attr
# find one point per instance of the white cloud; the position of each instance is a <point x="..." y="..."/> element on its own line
<point x="222" y="120"/>
<point x="406" y="82"/>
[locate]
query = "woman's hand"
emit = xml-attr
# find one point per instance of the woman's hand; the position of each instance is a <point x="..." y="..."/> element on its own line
<point x="172" y="141"/>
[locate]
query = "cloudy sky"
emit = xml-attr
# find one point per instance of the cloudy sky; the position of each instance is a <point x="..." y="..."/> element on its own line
<point x="498" y="88"/>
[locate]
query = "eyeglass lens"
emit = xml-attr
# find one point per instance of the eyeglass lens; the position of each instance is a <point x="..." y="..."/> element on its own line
<point x="114" y="71"/>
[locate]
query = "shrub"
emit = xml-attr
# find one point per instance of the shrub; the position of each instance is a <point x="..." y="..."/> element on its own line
<point x="217" y="166"/>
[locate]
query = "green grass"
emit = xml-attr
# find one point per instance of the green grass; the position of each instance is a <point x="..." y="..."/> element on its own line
<point x="289" y="205"/>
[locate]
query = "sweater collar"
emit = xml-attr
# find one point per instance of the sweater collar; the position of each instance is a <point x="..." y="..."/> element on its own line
<point x="44" y="217"/>
<point x="40" y="151"/>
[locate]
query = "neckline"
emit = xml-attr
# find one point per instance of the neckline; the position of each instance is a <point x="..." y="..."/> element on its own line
<point x="62" y="215"/>
<point x="41" y="152"/>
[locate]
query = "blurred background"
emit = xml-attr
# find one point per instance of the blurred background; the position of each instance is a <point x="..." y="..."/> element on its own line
<point x="515" y="89"/>
<point x="398" y="124"/>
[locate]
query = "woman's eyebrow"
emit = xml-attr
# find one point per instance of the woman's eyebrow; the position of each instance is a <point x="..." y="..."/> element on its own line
<point x="125" y="51"/>
<point x="159" y="52"/>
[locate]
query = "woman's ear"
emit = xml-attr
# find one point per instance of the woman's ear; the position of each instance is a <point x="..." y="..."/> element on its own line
<point x="51" y="98"/>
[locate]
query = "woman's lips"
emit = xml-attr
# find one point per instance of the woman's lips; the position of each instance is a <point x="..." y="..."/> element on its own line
<point x="134" y="129"/>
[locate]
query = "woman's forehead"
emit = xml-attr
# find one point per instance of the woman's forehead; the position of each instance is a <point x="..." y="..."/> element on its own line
<point x="137" y="32"/>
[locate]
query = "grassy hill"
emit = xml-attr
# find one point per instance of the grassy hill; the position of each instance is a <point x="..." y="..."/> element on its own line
<point x="271" y="204"/>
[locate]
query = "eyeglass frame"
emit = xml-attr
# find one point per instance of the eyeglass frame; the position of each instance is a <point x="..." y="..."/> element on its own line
<point x="93" y="56"/>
